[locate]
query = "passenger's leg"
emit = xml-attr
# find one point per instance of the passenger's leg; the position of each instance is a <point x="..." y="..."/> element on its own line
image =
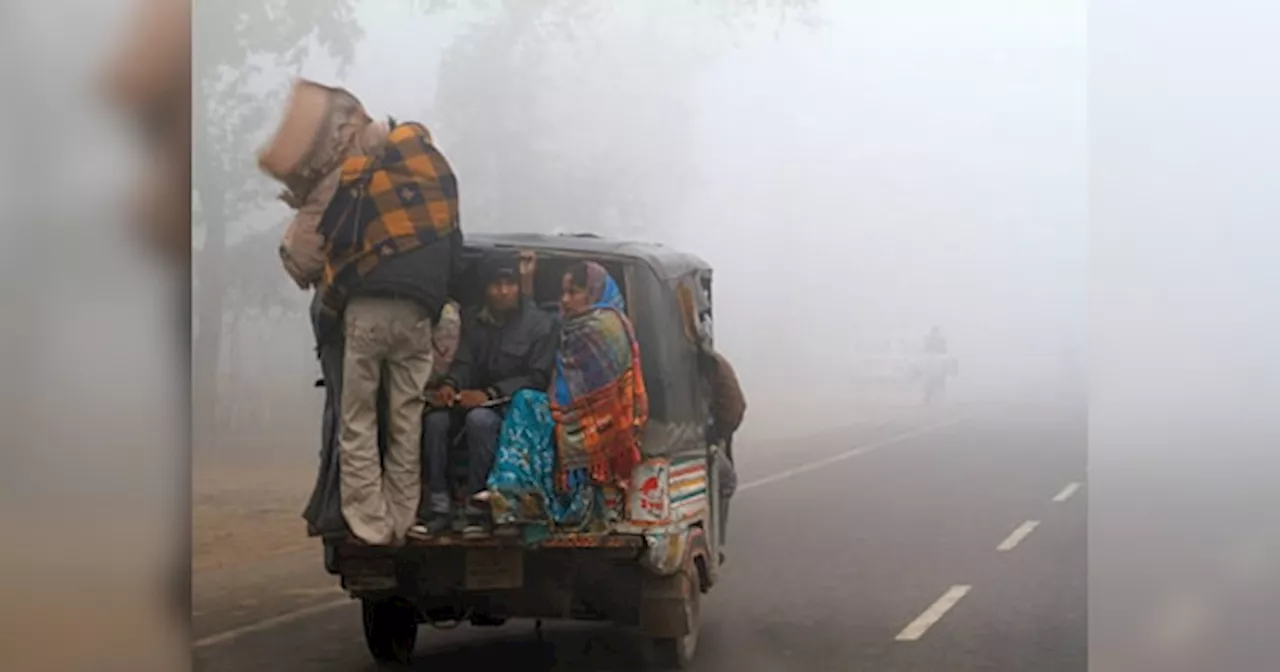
<point x="324" y="511"/>
<point x="434" y="510"/>
<point x="408" y="369"/>
<point x="364" y="506"/>
<point x="483" y="427"/>
<point x="728" y="477"/>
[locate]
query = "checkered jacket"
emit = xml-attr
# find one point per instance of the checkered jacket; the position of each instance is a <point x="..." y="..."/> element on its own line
<point x="392" y="203"/>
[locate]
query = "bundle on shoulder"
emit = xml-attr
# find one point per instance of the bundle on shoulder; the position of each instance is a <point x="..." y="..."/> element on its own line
<point x="321" y="127"/>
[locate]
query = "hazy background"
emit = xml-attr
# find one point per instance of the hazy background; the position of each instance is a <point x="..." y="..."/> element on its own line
<point x="855" y="172"/>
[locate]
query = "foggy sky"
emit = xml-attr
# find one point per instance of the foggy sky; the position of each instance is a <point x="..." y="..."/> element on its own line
<point x="895" y="166"/>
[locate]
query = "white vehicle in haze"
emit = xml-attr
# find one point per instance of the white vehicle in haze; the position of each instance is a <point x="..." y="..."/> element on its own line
<point x="898" y="365"/>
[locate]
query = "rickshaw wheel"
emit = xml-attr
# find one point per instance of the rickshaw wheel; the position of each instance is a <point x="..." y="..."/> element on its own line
<point x="677" y="652"/>
<point x="390" y="629"/>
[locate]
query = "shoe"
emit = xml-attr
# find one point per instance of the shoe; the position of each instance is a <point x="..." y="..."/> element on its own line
<point x="507" y="531"/>
<point x="475" y="532"/>
<point x="438" y="525"/>
<point x="478" y="526"/>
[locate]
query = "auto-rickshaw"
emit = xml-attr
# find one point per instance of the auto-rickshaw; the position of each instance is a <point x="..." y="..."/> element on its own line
<point x="650" y="570"/>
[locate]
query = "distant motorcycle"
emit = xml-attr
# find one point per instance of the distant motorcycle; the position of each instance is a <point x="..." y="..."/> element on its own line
<point x="935" y="369"/>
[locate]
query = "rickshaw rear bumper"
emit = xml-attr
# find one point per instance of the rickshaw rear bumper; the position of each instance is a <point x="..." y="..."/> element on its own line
<point x="627" y="578"/>
<point x="659" y="552"/>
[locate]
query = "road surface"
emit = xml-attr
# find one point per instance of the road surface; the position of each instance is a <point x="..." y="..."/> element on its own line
<point x="890" y="548"/>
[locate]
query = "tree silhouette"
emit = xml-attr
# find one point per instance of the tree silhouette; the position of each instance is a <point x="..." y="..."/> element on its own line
<point x="511" y="86"/>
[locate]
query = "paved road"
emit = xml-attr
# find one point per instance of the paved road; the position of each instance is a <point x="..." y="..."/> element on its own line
<point x="840" y="549"/>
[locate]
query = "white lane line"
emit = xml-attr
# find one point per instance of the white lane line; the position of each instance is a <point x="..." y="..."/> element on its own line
<point x="1066" y="493"/>
<point x="269" y="623"/>
<point x="854" y="452"/>
<point x="284" y="619"/>
<point x="933" y="614"/>
<point x="1018" y="535"/>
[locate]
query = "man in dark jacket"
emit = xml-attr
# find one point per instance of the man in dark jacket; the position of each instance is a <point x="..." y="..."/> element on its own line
<point x="507" y="345"/>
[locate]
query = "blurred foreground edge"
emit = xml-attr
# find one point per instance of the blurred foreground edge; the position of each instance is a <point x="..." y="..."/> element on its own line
<point x="149" y="79"/>
<point x="134" y="614"/>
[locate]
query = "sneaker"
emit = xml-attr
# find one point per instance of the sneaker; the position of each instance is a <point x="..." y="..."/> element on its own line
<point x="478" y="526"/>
<point x="438" y="525"/>
<point x="475" y="531"/>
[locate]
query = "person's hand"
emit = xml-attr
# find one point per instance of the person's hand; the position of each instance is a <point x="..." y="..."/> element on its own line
<point x="444" y="396"/>
<point x="528" y="263"/>
<point x="472" y="398"/>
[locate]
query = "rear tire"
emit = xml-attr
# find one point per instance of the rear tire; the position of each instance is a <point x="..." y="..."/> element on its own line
<point x="677" y="653"/>
<point x="390" y="629"/>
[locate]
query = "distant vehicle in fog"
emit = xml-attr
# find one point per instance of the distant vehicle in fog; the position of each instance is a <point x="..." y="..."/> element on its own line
<point x="903" y="365"/>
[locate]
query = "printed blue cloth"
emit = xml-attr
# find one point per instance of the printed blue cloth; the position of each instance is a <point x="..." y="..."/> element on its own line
<point x="522" y="482"/>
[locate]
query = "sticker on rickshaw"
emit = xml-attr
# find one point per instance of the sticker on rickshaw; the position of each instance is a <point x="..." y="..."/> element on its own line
<point x="649" y="503"/>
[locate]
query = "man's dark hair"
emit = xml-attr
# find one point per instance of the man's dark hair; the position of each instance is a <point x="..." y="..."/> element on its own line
<point x="497" y="265"/>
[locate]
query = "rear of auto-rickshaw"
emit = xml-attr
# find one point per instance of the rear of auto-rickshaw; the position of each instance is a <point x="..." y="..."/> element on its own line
<point x="651" y="568"/>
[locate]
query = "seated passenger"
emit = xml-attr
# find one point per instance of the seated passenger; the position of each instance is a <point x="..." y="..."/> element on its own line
<point x="558" y="452"/>
<point x="507" y="345"/>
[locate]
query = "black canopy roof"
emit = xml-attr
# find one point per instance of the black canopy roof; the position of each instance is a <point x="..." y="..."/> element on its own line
<point x="665" y="262"/>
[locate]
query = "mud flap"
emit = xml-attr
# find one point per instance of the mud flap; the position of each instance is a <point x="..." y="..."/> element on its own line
<point x="665" y="598"/>
<point x="663" y="601"/>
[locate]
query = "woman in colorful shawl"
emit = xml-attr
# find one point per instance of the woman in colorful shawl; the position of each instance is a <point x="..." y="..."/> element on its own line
<point x="563" y="457"/>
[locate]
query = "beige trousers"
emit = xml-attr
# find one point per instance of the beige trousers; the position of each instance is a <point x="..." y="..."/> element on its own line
<point x="380" y="497"/>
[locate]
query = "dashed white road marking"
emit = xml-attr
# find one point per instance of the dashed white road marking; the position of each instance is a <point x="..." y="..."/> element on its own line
<point x="267" y="624"/>
<point x="916" y="629"/>
<point x="1018" y="535"/>
<point x="1066" y="493"/>
<point x="851" y="453"/>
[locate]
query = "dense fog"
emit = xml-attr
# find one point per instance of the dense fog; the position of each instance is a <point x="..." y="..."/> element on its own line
<point x="854" y="172"/>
